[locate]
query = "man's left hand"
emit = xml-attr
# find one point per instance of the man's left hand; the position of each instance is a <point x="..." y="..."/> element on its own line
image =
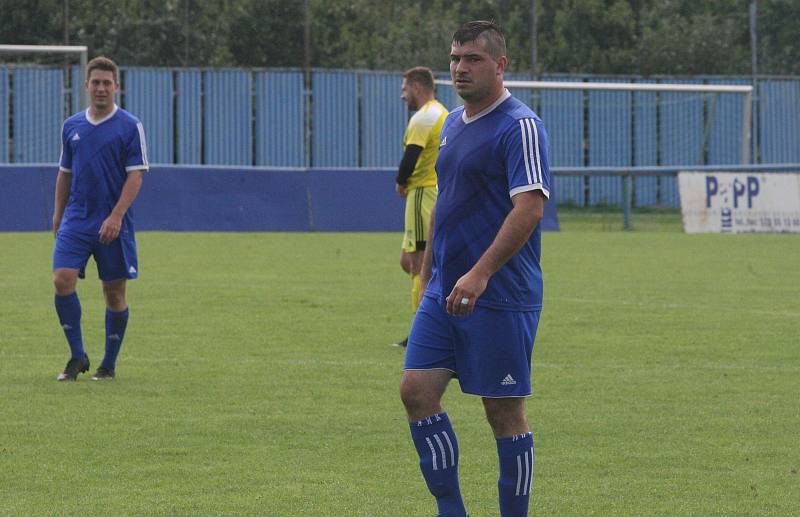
<point x="110" y="228"/>
<point x="468" y="288"/>
<point x="401" y="190"/>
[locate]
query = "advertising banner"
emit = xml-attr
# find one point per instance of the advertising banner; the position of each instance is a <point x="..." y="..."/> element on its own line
<point x="728" y="202"/>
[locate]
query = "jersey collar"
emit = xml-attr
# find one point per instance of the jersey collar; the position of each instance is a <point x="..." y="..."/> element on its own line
<point x="505" y="95"/>
<point x="98" y="122"/>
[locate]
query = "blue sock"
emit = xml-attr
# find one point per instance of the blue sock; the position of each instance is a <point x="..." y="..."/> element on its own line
<point x="68" y="309"/>
<point x="438" y="459"/>
<point x="516" y="474"/>
<point x="116" y="323"/>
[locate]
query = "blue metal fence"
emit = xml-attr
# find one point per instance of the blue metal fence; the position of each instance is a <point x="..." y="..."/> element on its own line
<point x="562" y="114"/>
<point x="280" y="119"/>
<point x="148" y="95"/>
<point x="188" y="141"/>
<point x="609" y="142"/>
<point x="383" y="120"/>
<point x="724" y="125"/>
<point x="779" y="121"/>
<point x="645" y="145"/>
<point x="38" y="102"/>
<point x="227" y="117"/>
<point x="680" y="136"/>
<point x="334" y="121"/>
<point x="3" y="115"/>
<point x="356" y="119"/>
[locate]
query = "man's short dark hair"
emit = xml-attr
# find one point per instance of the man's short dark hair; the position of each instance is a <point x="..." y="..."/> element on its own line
<point x="488" y="30"/>
<point x="102" y="63"/>
<point x="420" y="75"/>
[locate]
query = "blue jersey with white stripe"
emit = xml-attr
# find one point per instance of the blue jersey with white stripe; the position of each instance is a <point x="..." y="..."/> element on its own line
<point x="485" y="160"/>
<point x="99" y="154"/>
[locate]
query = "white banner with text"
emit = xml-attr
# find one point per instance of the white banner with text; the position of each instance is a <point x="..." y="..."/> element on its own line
<point x="734" y="202"/>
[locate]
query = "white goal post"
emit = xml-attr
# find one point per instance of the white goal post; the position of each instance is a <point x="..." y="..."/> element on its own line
<point x="81" y="51"/>
<point x="747" y="90"/>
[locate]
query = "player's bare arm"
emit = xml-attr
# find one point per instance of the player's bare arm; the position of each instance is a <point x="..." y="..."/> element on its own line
<point x="427" y="259"/>
<point x="112" y="224"/>
<point x="63" y="188"/>
<point x="515" y="231"/>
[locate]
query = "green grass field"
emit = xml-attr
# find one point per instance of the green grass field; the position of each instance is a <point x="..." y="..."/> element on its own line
<point x="256" y="379"/>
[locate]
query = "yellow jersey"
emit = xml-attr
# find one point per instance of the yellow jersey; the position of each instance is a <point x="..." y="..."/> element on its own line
<point x="424" y="130"/>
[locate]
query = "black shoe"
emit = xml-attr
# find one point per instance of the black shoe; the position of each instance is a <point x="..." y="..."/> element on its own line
<point x="74" y="367"/>
<point x="103" y="374"/>
<point x="402" y="344"/>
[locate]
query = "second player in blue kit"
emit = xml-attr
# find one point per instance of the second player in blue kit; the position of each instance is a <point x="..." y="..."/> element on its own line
<point x="480" y="312"/>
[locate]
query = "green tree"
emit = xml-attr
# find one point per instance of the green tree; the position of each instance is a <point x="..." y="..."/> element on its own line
<point x="266" y="33"/>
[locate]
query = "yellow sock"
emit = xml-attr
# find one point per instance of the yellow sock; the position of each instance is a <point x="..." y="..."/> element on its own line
<point x="414" y="292"/>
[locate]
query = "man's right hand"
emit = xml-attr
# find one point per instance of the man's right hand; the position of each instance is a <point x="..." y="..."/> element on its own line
<point x="56" y="225"/>
<point x="401" y="190"/>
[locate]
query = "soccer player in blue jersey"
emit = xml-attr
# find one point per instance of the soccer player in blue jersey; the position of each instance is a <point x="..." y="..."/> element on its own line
<point x="103" y="157"/>
<point x="480" y="311"/>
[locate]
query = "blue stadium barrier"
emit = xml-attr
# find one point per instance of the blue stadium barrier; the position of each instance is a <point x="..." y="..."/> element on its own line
<point x="3" y="115"/>
<point x="334" y="120"/>
<point x="383" y="120"/>
<point x="562" y="114"/>
<point x="38" y="114"/>
<point x="148" y="95"/>
<point x="76" y="88"/>
<point x="280" y="119"/>
<point x="779" y="117"/>
<point x="227" y="117"/>
<point x="188" y="141"/>
<point x="609" y="143"/>
<point x="184" y="198"/>
<point x="680" y="137"/>
<point x="725" y="130"/>
<point x="258" y="117"/>
<point x="645" y="145"/>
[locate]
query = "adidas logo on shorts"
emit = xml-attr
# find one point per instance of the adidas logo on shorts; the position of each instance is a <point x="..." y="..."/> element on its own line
<point x="508" y="380"/>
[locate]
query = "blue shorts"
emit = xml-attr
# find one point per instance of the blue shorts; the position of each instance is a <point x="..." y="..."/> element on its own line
<point x="115" y="261"/>
<point x="489" y="350"/>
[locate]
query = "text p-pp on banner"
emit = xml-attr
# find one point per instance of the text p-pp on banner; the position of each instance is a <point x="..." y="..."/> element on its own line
<point x="732" y="202"/>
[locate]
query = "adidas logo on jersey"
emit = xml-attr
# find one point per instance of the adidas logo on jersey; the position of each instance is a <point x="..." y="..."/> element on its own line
<point x="508" y="380"/>
<point x="76" y="137"/>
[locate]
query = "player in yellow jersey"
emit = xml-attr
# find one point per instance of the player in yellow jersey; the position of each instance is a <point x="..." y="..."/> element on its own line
<point x="416" y="177"/>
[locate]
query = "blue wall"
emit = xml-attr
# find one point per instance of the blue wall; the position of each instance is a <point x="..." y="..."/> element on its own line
<point x="177" y="198"/>
<point x="356" y="119"/>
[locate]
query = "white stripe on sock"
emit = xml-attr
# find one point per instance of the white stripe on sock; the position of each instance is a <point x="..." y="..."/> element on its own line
<point x="527" y="475"/>
<point x="433" y="452"/>
<point x="519" y="473"/>
<point x="533" y="462"/>
<point x="441" y="448"/>
<point x="452" y="452"/>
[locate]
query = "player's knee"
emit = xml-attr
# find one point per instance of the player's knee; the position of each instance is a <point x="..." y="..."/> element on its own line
<point x="64" y="283"/>
<point x="115" y="297"/>
<point x="415" y="398"/>
<point x="506" y="416"/>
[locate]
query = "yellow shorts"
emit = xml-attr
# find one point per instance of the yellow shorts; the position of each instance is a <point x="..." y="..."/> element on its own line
<point x="419" y="204"/>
